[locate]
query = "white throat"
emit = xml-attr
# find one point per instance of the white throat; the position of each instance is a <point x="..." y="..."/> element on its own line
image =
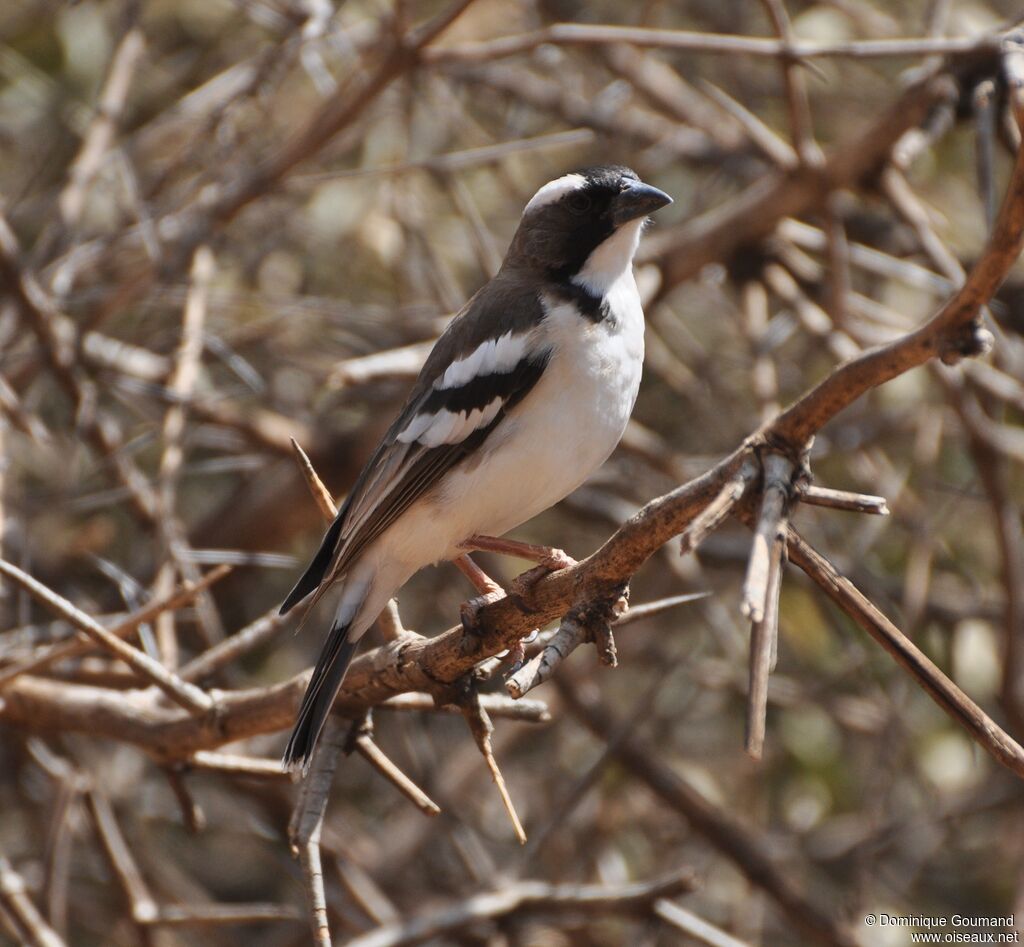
<point x="610" y="259"/>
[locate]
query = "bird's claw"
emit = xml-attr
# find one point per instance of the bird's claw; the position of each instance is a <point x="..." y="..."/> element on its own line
<point x="517" y="653"/>
<point x="557" y="559"/>
<point x="469" y="612"/>
<point x="521" y="588"/>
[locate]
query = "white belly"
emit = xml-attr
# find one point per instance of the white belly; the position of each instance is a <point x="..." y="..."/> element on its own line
<point x="550" y="443"/>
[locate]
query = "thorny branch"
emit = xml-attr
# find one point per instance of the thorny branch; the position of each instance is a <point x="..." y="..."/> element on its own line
<point x="107" y="681"/>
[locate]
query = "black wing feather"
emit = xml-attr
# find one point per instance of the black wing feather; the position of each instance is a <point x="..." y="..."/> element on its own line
<point x="316" y="570"/>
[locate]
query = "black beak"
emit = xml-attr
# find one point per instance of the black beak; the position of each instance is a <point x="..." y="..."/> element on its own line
<point x="638" y="200"/>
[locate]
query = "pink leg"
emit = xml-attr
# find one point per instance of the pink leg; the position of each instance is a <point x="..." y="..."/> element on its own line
<point x="479" y="579"/>
<point x="489" y="591"/>
<point x="549" y="557"/>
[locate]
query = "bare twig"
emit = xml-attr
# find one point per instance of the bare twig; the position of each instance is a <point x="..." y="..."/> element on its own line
<point x="140" y="902"/>
<point x="186" y="695"/>
<point x="717" y="511"/>
<point x="322" y="496"/>
<point x="481" y="727"/>
<point x="525" y="897"/>
<point x="177" y="598"/>
<point x="361" y="739"/>
<point x="1002" y="747"/>
<point x="742" y="844"/>
<point x="695" y="927"/>
<point x="307" y="823"/>
<point x="769" y="536"/>
<point x="99" y="137"/>
<point x="842" y="500"/>
<point x="18" y="906"/>
<point x="580" y="34"/>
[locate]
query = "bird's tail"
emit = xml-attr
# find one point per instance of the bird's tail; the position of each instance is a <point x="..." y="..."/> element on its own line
<point x="319" y="697"/>
<point x="347" y="628"/>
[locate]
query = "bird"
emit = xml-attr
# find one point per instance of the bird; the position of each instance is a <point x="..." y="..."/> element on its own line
<point x="524" y="395"/>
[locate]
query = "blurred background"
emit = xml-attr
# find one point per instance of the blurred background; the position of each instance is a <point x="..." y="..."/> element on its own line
<point x="334" y="211"/>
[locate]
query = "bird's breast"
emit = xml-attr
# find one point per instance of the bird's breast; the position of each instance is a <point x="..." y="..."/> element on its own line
<point x="554" y="439"/>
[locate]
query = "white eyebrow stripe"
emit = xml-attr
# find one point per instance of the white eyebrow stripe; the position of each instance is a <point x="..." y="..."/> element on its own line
<point x="493" y="357"/>
<point x="556" y="190"/>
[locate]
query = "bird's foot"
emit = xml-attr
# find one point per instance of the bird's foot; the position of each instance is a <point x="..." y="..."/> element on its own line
<point x="469" y="612"/>
<point x="548" y="556"/>
<point x="517" y="653"/>
<point x="522" y="586"/>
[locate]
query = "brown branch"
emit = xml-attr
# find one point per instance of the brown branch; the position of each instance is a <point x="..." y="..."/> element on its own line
<point x="324" y="501"/>
<point x="842" y="500"/>
<point x="82" y="643"/>
<point x="985" y="731"/>
<point x="361" y="739"/>
<point x="525" y="897"/>
<point x="580" y="34"/>
<point x="481" y="727"/>
<point x="15" y="903"/>
<point x="716" y="235"/>
<point x="186" y="695"/>
<point x="750" y="852"/>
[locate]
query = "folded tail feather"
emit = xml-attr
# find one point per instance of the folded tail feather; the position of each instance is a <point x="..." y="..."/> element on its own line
<point x="319" y="697"/>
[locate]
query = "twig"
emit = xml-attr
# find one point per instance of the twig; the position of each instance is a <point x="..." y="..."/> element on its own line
<point x="322" y="496"/>
<point x="570" y="635"/>
<point x="776" y="149"/>
<point x="180" y="387"/>
<point x="985" y="731"/>
<point x="769" y="536"/>
<point x="192" y="814"/>
<point x="140" y="902"/>
<point x="177" y="598"/>
<point x="523" y="897"/>
<point x="232" y="648"/>
<point x="209" y="915"/>
<point x="19" y="907"/>
<point x="445" y="164"/>
<point x="983" y="104"/>
<point x="361" y="739"/>
<point x="230" y="764"/>
<point x="307" y="822"/>
<point x="842" y="500"/>
<point x="181" y="692"/>
<point x="98" y="138"/>
<point x="580" y="34"/>
<point x="764" y="634"/>
<point x="481" y="727"/>
<point x="496" y="705"/>
<point x="666" y="89"/>
<point x="717" y="511"/>
<point x="797" y="101"/>
<point x="695" y="927"/>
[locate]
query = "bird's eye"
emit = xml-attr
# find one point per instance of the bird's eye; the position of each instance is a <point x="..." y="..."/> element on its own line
<point x="579" y="203"/>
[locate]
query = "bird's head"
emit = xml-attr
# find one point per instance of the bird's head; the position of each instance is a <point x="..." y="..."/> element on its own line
<point x="585" y="226"/>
